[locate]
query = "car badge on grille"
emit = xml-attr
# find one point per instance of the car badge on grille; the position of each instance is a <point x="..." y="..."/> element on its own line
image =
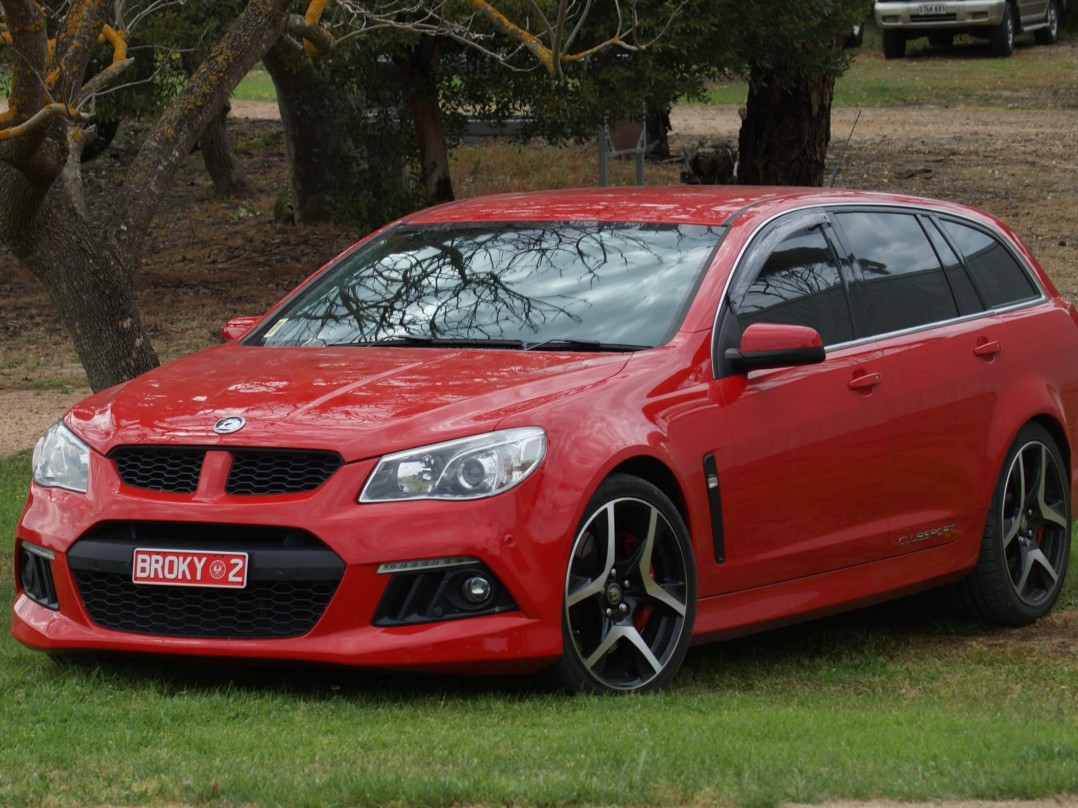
<point x="226" y="426"/>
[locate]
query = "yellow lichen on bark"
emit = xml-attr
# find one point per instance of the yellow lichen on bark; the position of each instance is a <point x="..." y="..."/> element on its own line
<point x="528" y="39"/>
<point x="44" y="114"/>
<point x="116" y="39"/>
<point x="313" y="16"/>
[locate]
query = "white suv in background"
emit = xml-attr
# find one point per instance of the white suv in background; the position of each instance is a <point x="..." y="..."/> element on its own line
<point x="995" y="20"/>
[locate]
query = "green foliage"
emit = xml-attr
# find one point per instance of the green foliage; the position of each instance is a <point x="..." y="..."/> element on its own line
<point x="167" y="46"/>
<point x="788" y="40"/>
<point x="377" y="161"/>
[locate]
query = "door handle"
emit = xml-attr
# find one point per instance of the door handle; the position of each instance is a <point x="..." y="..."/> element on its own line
<point x="987" y="349"/>
<point x="864" y="382"/>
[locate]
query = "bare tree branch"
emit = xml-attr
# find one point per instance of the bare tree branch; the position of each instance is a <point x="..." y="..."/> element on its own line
<point x="46" y="114"/>
<point x="102" y="79"/>
<point x="28" y="36"/>
<point x="313" y="35"/>
<point x="550" y="44"/>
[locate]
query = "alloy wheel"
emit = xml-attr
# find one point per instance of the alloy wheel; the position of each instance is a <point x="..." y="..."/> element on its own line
<point x="627" y="594"/>
<point x="1034" y="523"/>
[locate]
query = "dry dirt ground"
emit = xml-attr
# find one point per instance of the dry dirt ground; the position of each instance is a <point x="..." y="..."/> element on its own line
<point x="208" y="260"/>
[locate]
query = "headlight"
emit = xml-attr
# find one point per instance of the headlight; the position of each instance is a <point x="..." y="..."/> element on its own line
<point x="61" y="460"/>
<point x="470" y="468"/>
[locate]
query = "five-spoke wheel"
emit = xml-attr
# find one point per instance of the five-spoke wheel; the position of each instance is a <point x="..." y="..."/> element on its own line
<point x="630" y="591"/>
<point x="1026" y="543"/>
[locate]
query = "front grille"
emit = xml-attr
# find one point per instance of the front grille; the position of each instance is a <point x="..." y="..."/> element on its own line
<point x="174" y="471"/>
<point x="933" y="17"/>
<point x="290" y="581"/>
<point x="274" y="472"/>
<point x="254" y="472"/>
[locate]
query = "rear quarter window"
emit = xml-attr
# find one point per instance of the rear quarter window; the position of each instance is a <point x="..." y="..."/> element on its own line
<point x="1000" y="278"/>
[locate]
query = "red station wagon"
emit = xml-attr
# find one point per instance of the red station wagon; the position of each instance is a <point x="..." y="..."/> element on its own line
<point x="575" y="432"/>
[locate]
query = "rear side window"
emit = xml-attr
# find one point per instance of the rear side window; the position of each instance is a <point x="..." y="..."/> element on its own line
<point x="800" y="284"/>
<point x="901" y="276"/>
<point x="1000" y="278"/>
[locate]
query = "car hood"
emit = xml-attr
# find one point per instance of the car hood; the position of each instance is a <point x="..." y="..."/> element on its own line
<point x="360" y="402"/>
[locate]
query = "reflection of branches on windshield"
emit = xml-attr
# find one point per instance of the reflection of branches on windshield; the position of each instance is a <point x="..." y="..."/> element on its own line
<point x="496" y="281"/>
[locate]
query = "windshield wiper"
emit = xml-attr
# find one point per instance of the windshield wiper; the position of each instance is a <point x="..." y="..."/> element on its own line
<point x="412" y="340"/>
<point x="583" y="345"/>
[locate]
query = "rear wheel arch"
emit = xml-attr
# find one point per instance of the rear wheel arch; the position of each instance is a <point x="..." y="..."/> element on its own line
<point x="1059" y="435"/>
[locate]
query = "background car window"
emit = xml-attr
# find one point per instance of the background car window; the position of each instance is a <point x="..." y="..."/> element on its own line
<point x="1000" y="278"/>
<point x="800" y="284"/>
<point x="901" y="276"/>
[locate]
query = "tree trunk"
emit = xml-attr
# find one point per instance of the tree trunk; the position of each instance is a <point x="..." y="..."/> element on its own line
<point x="307" y="104"/>
<point x="226" y="173"/>
<point x="86" y="261"/>
<point x="91" y="290"/>
<point x="418" y="66"/>
<point x="229" y="178"/>
<point x="786" y="131"/>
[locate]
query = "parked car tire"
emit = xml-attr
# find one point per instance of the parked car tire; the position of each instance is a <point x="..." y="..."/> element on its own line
<point x="894" y="44"/>
<point x="1049" y="35"/>
<point x="630" y="592"/>
<point x="1002" y="39"/>
<point x="1026" y="544"/>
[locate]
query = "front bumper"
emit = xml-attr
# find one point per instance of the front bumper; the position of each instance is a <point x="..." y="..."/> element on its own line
<point x="954" y="15"/>
<point x="523" y="544"/>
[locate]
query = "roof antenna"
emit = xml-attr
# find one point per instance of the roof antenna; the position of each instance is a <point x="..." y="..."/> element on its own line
<point x="842" y="157"/>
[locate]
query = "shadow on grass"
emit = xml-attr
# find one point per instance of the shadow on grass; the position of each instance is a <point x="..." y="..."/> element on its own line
<point x="865" y="637"/>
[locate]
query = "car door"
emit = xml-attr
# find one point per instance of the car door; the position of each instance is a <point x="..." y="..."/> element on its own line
<point x="805" y="453"/>
<point x="940" y="365"/>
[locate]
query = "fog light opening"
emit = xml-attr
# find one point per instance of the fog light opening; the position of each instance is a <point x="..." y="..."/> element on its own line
<point x="477" y="590"/>
<point x="35" y="575"/>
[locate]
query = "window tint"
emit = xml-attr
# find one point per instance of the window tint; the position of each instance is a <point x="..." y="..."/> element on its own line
<point x="800" y="284"/>
<point x="998" y="275"/>
<point x="964" y="293"/>
<point x="903" y="281"/>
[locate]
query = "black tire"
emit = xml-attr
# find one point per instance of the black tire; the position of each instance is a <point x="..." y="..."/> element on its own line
<point x="630" y="592"/>
<point x="894" y="44"/>
<point x="1002" y="39"/>
<point x="1049" y="35"/>
<point x="1026" y="543"/>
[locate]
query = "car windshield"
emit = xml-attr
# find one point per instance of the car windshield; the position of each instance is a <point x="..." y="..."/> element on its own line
<point x="557" y="285"/>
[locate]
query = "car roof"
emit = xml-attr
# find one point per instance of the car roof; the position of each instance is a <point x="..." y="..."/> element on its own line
<point x="693" y="204"/>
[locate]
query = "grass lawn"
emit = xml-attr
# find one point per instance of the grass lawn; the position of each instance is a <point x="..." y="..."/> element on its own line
<point x="884" y="703"/>
<point x="964" y="76"/>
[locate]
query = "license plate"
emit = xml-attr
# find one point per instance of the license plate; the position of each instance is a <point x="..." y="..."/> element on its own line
<point x="932" y="8"/>
<point x="189" y="568"/>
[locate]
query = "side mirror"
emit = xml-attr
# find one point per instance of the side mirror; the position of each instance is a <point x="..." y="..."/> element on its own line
<point x="238" y="327"/>
<point x="776" y="345"/>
